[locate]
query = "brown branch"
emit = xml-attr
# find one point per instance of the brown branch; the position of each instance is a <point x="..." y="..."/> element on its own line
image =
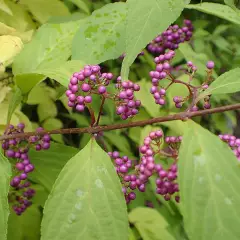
<point x="178" y="116"/>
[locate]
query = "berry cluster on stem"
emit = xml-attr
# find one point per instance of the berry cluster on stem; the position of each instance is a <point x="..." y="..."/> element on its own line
<point x="171" y="38"/>
<point x="17" y="149"/>
<point x="163" y="72"/>
<point x="90" y="81"/>
<point x="136" y="177"/>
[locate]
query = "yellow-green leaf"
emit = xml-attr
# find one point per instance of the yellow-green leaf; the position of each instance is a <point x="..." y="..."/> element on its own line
<point x="4" y="7"/>
<point x="10" y="46"/>
<point x="42" y="10"/>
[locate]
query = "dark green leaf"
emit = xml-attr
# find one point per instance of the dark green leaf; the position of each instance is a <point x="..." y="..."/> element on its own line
<point x="26" y="226"/>
<point x="48" y="164"/>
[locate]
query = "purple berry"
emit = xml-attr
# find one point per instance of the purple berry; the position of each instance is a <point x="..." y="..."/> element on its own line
<point x="210" y="65"/>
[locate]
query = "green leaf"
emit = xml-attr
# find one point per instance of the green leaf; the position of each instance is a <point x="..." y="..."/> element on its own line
<point x="47" y="109"/>
<point x="6" y="30"/>
<point x="218" y="10"/>
<point x="49" y="48"/>
<point x="15" y="101"/>
<point x="147" y="99"/>
<point x="199" y="59"/>
<point x="20" y="20"/>
<point x="4" y="7"/>
<point x="227" y="83"/>
<point x="42" y="10"/>
<point x="143" y="25"/>
<point x="48" y="164"/>
<point x="26" y="227"/>
<point x="122" y="142"/>
<point x="150" y="224"/>
<point x="51" y="124"/>
<point x="231" y="4"/>
<point x="10" y="46"/>
<point x="86" y="201"/>
<point x="209" y="179"/>
<point x="37" y="95"/>
<point x="82" y="5"/>
<point x="5" y="173"/>
<point x="62" y="72"/>
<point x="102" y="35"/>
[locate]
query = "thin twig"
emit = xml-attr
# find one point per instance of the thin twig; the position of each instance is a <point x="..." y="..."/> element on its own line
<point x="178" y="116"/>
<point x="100" y="111"/>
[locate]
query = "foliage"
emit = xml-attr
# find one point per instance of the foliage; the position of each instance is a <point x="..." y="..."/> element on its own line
<point x="81" y="191"/>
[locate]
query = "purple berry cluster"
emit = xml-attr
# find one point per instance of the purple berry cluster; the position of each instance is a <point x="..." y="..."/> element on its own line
<point x="163" y="71"/>
<point x="171" y="38"/>
<point x="129" y="182"/>
<point x="18" y="149"/>
<point x="127" y="106"/>
<point x="166" y="181"/>
<point x="90" y="80"/>
<point x="82" y="84"/>
<point x="137" y="180"/>
<point x="166" y="184"/>
<point x="233" y="142"/>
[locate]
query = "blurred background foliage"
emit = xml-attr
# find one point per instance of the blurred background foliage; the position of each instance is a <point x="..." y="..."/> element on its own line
<point x="46" y="105"/>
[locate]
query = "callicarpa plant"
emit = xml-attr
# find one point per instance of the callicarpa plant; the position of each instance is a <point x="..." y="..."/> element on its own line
<point x="123" y="124"/>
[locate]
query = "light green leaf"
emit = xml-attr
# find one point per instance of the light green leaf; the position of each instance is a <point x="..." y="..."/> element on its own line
<point x="86" y="201"/>
<point x="42" y="10"/>
<point x="4" y="7"/>
<point x="37" y="95"/>
<point x="231" y="4"/>
<point x="4" y="92"/>
<point x="20" y="20"/>
<point x="48" y="164"/>
<point x="150" y="224"/>
<point x="228" y="82"/>
<point x="218" y="10"/>
<point x="147" y="99"/>
<point x="51" y="124"/>
<point x="5" y="173"/>
<point x="62" y="72"/>
<point x="177" y="127"/>
<point x="209" y="178"/>
<point x="6" y="30"/>
<point x="4" y="113"/>
<point x="145" y="20"/>
<point x="51" y="46"/>
<point x="102" y="35"/>
<point x="82" y="5"/>
<point x="122" y="142"/>
<point x="15" y="101"/>
<point x="10" y="46"/>
<point x="47" y="109"/>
